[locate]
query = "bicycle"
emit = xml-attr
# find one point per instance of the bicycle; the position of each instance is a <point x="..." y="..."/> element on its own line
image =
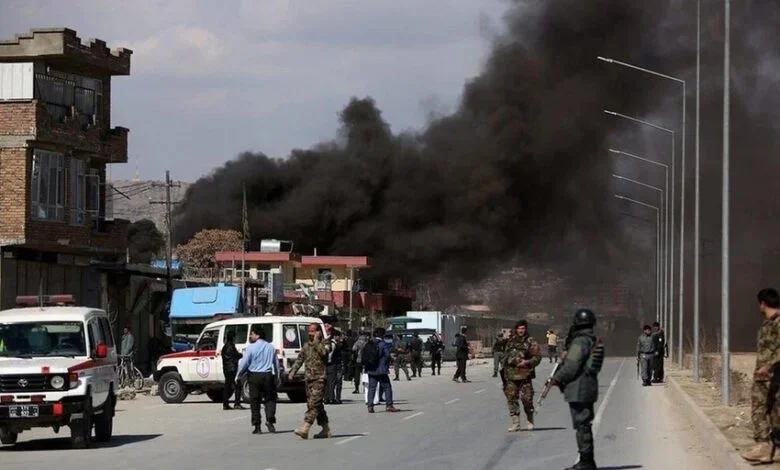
<point x="129" y="375"/>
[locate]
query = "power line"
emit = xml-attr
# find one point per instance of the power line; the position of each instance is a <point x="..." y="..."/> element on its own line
<point x="168" y="222"/>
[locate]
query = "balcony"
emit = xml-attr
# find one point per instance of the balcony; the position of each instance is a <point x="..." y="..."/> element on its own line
<point x="22" y="121"/>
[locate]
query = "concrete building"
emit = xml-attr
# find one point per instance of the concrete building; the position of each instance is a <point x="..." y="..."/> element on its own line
<point x="56" y="139"/>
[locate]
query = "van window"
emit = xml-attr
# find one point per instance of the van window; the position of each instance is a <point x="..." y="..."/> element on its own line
<point x="304" y="334"/>
<point x="241" y="331"/>
<point x="268" y="329"/>
<point x="95" y="335"/>
<point x="292" y="338"/>
<point x="208" y="341"/>
<point x="105" y="326"/>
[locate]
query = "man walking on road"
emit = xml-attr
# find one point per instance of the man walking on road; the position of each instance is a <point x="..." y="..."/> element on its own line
<point x="552" y="346"/>
<point x="578" y="378"/>
<point x="415" y="348"/>
<point x="315" y="355"/>
<point x="436" y="346"/>
<point x="261" y="362"/>
<point x="645" y="351"/>
<point x="659" y="340"/>
<point x="521" y="356"/>
<point x="461" y="356"/>
<point x="376" y="358"/>
<point x="230" y="358"/>
<point x="498" y="353"/>
<point x="357" y="354"/>
<point x="768" y="349"/>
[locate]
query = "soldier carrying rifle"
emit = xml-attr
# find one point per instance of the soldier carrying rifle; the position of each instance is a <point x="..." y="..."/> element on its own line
<point x="521" y="356"/>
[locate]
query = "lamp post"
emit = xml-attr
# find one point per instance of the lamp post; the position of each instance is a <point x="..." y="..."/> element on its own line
<point x="670" y="267"/>
<point x="682" y="187"/>
<point x="665" y="249"/>
<point x="724" y="286"/>
<point x="697" y="198"/>
<point x="662" y="196"/>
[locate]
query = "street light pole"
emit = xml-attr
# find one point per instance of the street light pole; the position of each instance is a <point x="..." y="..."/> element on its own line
<point x="725" y="266"/>
<point x="670" y="251"/>
<point x="665" y="249"/>
<point x="682" y="191"/>
<point x="697" y="195"/>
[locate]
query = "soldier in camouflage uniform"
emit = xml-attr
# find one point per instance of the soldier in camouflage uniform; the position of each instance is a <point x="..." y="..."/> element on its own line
<point x="315" y="355"/>
<point x="768" y="354"/>
<point x="400" y="357"/>
<point x="521" y="356"/>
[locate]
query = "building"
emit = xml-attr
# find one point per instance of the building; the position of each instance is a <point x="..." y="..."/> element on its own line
<point x="332" y="281"/>
<point x="56" y="139"/>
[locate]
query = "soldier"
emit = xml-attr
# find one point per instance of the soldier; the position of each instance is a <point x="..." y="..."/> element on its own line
<point x="578" y="379"/>
<point x="436" y="346"/>
<point x="498" y="353"/>
<point x="315" y="355"/>
<point x="521" y="356"/>
<point x="768" y="349"/>
<point x="415" y="349"/>
<point x="400" y="357"/>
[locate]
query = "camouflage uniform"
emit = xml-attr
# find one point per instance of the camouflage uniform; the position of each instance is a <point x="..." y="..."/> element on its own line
<point x="315" y="355"/>
<point x="519" y="379"/>
<point x="401" y="359"/>
<point x="768" y="354"/>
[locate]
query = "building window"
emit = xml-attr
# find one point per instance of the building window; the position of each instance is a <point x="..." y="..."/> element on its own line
<point x="78" y="191"/>
<point x="92" y="180"/>
<point x="47" y="191"/>
<point x="60" y="92"/>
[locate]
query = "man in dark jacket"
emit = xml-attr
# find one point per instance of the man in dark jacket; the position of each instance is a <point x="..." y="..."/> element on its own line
<point x="461" y="356"/>
<point x="415" y="348"/>
<point x="498" y="353"/>
<point x="435" y="346"/>
<point x="578" y="379"/>
<point x="347" y="363"/>
<point x="334" y="370"/>
<point x="230" y="358"/>
<point x="659" y="340"/>
<point x="380" y="375"/>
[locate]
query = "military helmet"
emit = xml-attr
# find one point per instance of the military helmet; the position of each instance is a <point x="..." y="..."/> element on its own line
<point x="584" y="317"/>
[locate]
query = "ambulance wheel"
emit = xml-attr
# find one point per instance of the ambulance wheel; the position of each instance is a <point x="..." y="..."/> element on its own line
<point x="172" y="388"/>
<point x="81" y="428"/>
<point x="104" y="422"/>
<point x="8" y="437"/>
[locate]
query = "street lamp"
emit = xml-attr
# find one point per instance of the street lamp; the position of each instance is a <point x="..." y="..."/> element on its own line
<point x="724" y="286"/>
<point x="682" y="184"/>
<point x="664" y="317"/>
<point x="662" y="196"/>
<point x="670" y="266"/>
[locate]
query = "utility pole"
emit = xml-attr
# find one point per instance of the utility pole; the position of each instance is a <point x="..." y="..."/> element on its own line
<point x="168" y="226"/>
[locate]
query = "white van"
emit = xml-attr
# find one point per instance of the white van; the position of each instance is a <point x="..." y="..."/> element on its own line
<point x="180" y="373"/>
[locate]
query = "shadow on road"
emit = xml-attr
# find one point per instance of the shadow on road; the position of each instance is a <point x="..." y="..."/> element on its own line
<point x="622" y="467"/>
<point x="64" y="443"/>
<point x="339" y="436"/>
<point x="542" y="429"/>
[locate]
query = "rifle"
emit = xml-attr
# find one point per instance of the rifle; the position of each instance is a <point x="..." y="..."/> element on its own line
<point x="547" y="385"/>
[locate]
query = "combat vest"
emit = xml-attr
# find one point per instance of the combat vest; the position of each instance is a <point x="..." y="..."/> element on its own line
<point x="516" y="351"/>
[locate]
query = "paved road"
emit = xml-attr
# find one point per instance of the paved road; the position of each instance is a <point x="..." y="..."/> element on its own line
<point x="443" y="425"/>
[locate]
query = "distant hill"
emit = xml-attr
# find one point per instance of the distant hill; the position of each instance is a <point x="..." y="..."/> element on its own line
<point x="130" y="200"/>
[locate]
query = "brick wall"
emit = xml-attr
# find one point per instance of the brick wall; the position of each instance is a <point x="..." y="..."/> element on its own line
<point x="17" y="118"/>
<point x="14" y="203"/>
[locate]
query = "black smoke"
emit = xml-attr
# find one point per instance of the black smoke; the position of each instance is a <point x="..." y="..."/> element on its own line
<point x="519" y="171"/>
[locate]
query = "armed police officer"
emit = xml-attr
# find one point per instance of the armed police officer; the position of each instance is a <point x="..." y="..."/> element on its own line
<point x="645" y="351"/>
<point x="521" y="356"/>
<point x="314" y="355"/>
<point x="578" y="379"/>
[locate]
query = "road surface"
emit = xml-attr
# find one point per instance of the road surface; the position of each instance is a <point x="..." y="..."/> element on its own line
<point x="443" y="425"/>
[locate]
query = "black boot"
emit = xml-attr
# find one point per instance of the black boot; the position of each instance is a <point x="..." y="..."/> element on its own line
<point x="586" y="463"/>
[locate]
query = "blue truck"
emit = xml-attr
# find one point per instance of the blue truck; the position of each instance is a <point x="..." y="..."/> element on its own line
<point x="193" y="308"/>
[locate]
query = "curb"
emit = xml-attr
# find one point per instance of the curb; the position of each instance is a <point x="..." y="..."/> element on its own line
<point x="719" y="446"/>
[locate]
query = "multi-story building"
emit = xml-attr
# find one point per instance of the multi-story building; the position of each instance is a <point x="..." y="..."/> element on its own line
<point x="56" y="140"/>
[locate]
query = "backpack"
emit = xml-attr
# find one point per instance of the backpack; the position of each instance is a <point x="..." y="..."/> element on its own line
<point x="596" y="358"/>
<point x="371" y="355"/>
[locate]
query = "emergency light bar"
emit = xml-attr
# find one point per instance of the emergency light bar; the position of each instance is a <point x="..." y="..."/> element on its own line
<point x="45" y="300"/>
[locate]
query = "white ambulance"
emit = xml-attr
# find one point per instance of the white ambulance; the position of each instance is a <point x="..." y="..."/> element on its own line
<point x="180" y="373"/>
<point x="58" y="367"/>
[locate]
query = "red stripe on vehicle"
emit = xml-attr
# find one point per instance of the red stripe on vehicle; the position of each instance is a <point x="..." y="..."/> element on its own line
<point x="90" y="364"/>
<point x="186" y="354"/>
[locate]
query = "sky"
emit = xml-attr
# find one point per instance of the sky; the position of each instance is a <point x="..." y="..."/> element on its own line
<point x="211" y="79"/>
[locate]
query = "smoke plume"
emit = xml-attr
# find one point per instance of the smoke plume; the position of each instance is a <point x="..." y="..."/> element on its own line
<point x="519" y="170"/>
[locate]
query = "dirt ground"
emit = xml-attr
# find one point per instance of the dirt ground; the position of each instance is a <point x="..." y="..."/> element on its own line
<point x="733" y="421"/>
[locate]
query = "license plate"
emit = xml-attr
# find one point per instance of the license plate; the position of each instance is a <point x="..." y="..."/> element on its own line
<point x="23" y="411"/>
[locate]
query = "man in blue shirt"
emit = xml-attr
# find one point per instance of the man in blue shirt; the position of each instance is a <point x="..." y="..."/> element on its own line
<point x="260" y="360"/>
